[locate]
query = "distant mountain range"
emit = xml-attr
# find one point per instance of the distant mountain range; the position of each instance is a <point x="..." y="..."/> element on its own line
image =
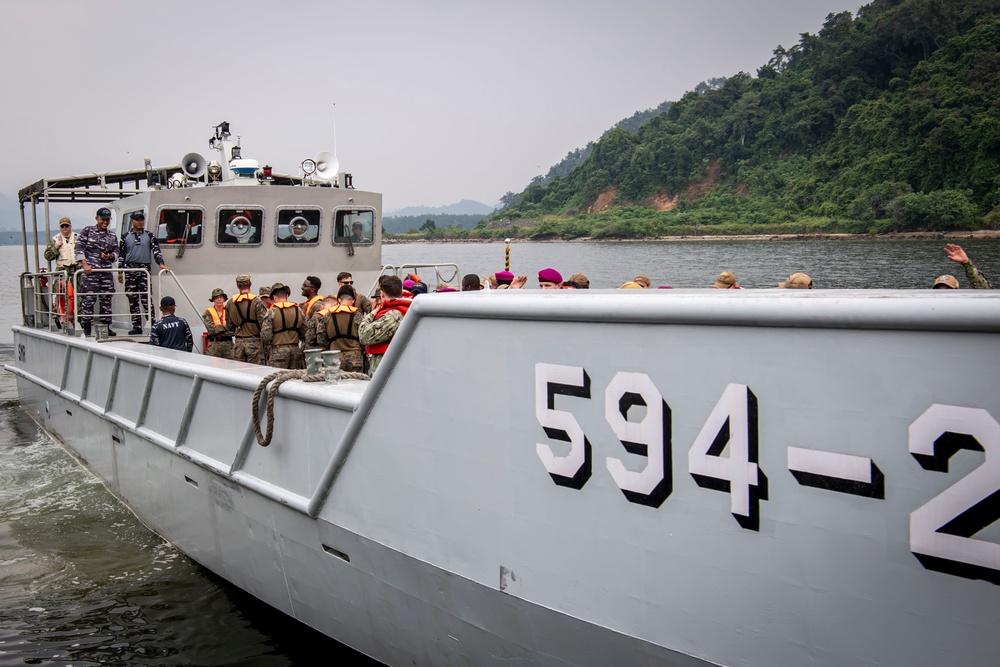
<point x="464" y="207"/>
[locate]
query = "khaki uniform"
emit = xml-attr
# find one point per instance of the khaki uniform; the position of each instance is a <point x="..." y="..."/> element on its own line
<point x="281" y="331"/>
<point x="244" y="315"/>
<point x="338" y="330"/>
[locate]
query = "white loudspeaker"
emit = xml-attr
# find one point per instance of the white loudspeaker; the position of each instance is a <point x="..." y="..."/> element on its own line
<point x="194" y="165"/>
<point x="327" y="165"/>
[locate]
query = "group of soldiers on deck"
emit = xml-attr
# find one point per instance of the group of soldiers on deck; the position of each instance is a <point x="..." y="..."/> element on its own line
<point x="268" y="328"/>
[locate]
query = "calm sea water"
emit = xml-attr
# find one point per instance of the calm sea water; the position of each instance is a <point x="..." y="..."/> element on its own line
<point x="82" y="582"/>
<point x="854" y="264"/>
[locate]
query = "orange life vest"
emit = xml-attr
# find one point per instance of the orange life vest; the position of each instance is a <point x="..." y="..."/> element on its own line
<point x="216" y="319"/>
<point x="402" y="305"/>
<point x="309" y="304"/>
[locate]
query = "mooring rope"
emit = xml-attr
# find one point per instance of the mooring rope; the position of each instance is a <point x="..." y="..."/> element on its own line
<point x="279" y="378"/>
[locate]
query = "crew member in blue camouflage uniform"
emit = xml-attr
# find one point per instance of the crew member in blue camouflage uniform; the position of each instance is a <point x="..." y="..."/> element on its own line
<point x="976" y="278"/>
<point x="96" y="248"/>
<point x="135" y="251"/>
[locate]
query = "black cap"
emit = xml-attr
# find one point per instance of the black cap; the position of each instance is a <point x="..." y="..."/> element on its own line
<point x="104" y="212"/>
<point x="167" y="301"/>
<point x="138" y="215"/>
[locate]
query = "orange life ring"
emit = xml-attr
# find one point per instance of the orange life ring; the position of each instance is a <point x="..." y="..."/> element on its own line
<point x="64" y="304"/>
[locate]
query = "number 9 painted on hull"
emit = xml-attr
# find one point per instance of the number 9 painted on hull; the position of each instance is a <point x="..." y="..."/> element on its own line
<point x="648" y="437"/>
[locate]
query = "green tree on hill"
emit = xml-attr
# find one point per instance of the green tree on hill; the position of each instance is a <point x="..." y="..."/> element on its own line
<point x="892" y="114"/>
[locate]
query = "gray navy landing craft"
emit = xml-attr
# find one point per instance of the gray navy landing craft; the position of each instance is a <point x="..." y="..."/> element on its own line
<point x="763" y="478"/>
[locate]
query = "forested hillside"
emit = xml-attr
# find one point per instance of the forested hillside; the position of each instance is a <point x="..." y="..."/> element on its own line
<point x="888" y="120"/>
<point x="401" y="224"/>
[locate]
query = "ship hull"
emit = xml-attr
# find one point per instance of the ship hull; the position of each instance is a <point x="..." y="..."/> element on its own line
<point x="762" y="479"/>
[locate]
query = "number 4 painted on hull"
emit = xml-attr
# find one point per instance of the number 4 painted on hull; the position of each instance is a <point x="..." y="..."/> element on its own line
<point x="733" y="422"/>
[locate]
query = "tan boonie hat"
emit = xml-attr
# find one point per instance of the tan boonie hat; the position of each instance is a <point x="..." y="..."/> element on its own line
<point x="279" y="286"/>
<point x="218" y="291"/>
<point x="631" y="285"/>
<point x="797" y="281"/>
<point x="243" y="279"/>
<point x="724" y="280"/>
<point x="946" y="281"/>
<point x="265" y="291"/>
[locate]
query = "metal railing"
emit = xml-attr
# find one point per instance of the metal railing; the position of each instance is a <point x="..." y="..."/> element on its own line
<point x="454" y="280"/>
<point x="51" y="300"/>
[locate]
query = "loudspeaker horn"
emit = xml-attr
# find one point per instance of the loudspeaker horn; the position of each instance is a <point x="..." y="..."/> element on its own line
<point x="194" y="165"/>
<point x="327" y="165"/>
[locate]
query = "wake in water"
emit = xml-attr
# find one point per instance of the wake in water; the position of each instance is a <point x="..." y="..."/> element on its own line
<point x="83" y="582"/>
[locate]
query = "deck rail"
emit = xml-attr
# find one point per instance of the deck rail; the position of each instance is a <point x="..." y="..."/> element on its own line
<point x="51" y="299"/>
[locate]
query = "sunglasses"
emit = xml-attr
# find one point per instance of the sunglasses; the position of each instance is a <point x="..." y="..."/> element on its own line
<point x="347" y="282"/>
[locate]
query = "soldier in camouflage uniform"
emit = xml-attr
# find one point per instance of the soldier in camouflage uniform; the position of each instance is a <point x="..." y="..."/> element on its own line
<point x="378" y="327"/>
<point x="976" y="278"/>
<point x="245" y="313"/>
<point x="220" y="340"/>
<point x="265" y="296"/>
<point x="283" y="329"/>
<point x="135" y="251"/>
<point x="338" y="330"/>
<point x="312" y="321"/>
<point x="96" y="248"/>
<point x="362" y="302"/>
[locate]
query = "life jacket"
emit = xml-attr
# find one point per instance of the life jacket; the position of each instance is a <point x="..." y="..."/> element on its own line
<point x="309" y="304"/>
<point x="67" y="251"/>
<point x="287" y="332"/>
<point x="241" y="312"/>
<point x="342" y="327"/>
<point x="216" y="319"/>
<point x="402" y="305"/>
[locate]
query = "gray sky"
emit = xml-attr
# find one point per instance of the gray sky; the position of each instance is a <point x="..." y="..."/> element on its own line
<point x="436" y="101"/>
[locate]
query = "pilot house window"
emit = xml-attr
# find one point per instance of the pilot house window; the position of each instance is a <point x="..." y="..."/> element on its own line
<point x="240" y="226"/>
<point x="298" y="226"/>
<point x="354" y="226"/>
<point x="180" y="225"/>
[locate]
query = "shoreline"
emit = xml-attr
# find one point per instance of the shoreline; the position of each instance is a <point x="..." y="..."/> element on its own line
<point x="977" y="234"/>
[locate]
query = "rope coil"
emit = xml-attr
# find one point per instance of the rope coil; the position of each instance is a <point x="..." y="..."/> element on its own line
<point x="279" y="378"/>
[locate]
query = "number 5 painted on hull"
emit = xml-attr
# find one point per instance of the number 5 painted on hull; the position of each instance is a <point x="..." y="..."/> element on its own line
<point x="941" y="531"/>
<point x="572" y="470"/>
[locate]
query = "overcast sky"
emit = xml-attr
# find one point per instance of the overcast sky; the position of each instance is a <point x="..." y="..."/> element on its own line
<point x="436" y="101"/>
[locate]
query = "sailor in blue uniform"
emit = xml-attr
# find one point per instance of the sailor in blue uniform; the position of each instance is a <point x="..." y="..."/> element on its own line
<point x="135" y="251"/>
<point x="96" y="248"/>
